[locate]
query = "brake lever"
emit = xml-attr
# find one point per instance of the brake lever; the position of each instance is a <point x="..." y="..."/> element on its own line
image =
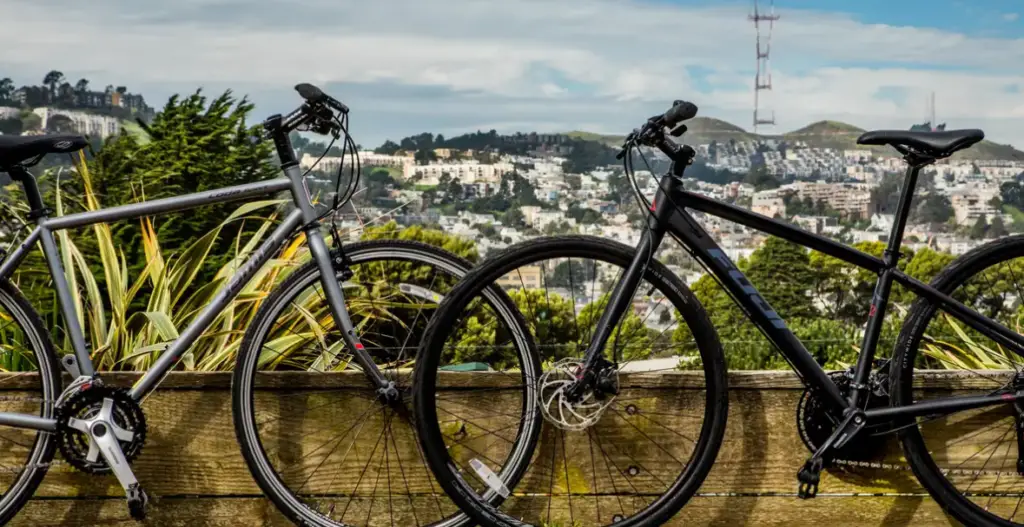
<point x="626" y="144"/>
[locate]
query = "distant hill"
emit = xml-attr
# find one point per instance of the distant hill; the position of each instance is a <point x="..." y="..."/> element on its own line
<point x="821" y="134"/>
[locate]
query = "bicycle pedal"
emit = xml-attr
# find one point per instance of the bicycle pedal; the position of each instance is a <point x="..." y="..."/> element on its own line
<point x="137" y="501"/>
<point x="809" y="477"/>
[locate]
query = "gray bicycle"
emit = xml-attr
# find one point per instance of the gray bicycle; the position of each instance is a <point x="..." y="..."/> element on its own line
<point x="320" y="390"/>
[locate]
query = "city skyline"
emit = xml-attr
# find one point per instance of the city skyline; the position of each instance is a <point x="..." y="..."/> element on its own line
<point x="525" y="65"/>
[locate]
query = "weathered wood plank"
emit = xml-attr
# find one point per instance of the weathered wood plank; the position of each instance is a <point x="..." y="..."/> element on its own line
<point x="192" y="450"/>
<point x="867" y="511"/>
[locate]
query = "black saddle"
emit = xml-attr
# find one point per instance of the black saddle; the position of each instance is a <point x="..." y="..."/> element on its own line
<point x="930" y="144"/>
<point x="17" y="148"/>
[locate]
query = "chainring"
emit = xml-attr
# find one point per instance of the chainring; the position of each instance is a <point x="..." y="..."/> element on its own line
<point x="86" y="403"/>
<point x="816" y="420"/>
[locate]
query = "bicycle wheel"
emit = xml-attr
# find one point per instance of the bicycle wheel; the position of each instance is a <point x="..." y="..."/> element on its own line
<point x="629" y="459"/>
<point x="967" y="460"/>
<point x="30" y="384"/>
<point x="323" y="447"/>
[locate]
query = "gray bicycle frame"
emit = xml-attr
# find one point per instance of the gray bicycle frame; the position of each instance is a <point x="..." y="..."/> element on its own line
<point x="304" y="217"/>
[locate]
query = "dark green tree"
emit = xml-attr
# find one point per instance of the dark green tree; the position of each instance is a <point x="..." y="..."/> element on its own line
<point x="997" y="229"/>
<point x="979" y="228"/>
<point x="933" y="208"/>
<point x="194" y="144"/>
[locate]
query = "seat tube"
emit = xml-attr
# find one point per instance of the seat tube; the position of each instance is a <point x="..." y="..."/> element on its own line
<point x="64" y="298"/>
<point x="880" y="297"/>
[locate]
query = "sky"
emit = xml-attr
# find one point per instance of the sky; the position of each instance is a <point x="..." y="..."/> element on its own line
<point x="452" y="66"/>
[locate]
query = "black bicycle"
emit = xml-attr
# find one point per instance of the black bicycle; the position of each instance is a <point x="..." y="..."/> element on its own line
<point x="622" y="450"/>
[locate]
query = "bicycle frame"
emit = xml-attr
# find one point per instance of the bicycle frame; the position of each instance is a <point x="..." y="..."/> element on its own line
<point x="303" y="218"/>
<point x="669" y="214"/>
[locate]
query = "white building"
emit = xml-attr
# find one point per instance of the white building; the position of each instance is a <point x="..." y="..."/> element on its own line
<point x="90" y="124"/>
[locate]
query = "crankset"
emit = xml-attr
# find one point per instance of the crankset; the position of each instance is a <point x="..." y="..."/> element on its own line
<point x="816" y="419"/>
<point x="102" y="430"/>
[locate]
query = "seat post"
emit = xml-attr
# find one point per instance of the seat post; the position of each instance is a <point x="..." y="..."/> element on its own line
<point x="32" y="194"/>
<point x="892" y="251"/>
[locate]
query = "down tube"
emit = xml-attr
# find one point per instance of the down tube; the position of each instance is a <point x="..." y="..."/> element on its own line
<point x="760" y="312"/>
<point x="177" y="349"/>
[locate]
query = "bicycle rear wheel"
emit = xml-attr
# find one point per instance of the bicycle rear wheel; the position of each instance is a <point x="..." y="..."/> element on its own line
<point x="632" y="459"/>
<point x="968" y="460"/>
<point x="316" y="438"/>
<point x="30" y="385"/>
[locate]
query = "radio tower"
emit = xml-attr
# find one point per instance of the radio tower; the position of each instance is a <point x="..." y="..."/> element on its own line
<point x="763" y="80"/>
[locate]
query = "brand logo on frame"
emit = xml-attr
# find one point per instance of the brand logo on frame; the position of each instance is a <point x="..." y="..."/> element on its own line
<point x="748" y="288"/>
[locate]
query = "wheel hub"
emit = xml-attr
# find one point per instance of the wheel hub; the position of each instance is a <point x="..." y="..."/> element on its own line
<point x="567" y="410"/>
<point x="97" y="411"/>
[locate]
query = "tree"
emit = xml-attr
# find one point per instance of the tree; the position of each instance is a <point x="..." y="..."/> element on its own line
<point x="388" y="148"/>
<point x="781" y="270"/>
<point x="760" y="178"/>
<point x="66" y="95"/>
<point x="82" y="87"/>
<point x="6" y="89"/>
<point x="52" y="80"/>
<point x="195" y="144"/>
<point x="979" y="228"/>
<point x="1011" y="193"/>
<point x="10" y="126"/>
<point x="31" y="121"/>
<point x="60" y="124"/>
<point x="997" y="229"/>
<point x="573" y="275"/>
<point x="926" y="264"/>
<point x="933" y="208"/>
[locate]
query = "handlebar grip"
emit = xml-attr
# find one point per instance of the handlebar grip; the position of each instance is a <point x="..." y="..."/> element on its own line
<point x="309" y="92"/>
<point x="313" y="94"/>
<point x="679" y="112"/>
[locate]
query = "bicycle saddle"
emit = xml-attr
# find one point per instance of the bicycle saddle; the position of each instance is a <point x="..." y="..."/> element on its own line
<point x="932" y="144"/>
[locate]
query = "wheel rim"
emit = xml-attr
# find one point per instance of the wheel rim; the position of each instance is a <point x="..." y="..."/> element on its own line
<point x="558" y="489"/>
<point x="362" y="492"/>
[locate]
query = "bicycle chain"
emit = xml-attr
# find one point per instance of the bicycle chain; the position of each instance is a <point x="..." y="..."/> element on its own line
<point x="877" y="465"/>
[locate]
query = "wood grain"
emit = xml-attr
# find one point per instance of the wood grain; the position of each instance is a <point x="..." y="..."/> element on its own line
<point x="191" y="464"/>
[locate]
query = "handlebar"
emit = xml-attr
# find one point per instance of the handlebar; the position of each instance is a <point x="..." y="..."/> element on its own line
<point x="314" y="95"/>
<point x="317" y="114"/>
<point x="653" y="133"/>
<point x="679" y="112"/>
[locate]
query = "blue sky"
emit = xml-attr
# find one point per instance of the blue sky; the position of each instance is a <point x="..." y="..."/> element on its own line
<point x="450" y="66"/>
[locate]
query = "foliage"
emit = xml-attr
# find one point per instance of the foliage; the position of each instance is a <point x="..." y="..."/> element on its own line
<point x="980" y="228"/>
<point x="933" y="208"/>
<point x="127" y="338"/>
<point x="194" y="145"/>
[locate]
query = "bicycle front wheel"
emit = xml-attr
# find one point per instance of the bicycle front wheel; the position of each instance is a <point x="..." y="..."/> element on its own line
<point x="319" y="442"/>
<point x="630" y="456"/>
<point x="969" y="460"/>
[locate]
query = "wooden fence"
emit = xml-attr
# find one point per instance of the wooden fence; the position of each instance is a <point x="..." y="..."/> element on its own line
<point x="192" y="468"/>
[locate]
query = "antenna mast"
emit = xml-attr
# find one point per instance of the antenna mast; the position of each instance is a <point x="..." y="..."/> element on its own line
<point x="763" y="80"/>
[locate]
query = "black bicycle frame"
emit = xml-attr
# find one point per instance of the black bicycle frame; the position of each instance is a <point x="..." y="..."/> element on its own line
<point x="669" y="214"/>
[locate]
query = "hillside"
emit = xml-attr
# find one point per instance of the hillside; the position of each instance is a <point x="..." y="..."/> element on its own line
<point x="703" y="130"/>
<point x="822" y="134"/>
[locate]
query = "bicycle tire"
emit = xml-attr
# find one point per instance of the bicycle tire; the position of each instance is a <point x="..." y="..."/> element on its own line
<point x="431" y="347"/>
<point x="44" y="447"/>
<point x="267" y="478"/>
<point x="917" y="453"/>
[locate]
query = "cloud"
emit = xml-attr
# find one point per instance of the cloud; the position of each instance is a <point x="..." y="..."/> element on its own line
<point x="407" y="66"/>
<point x="1011" y="17"/>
